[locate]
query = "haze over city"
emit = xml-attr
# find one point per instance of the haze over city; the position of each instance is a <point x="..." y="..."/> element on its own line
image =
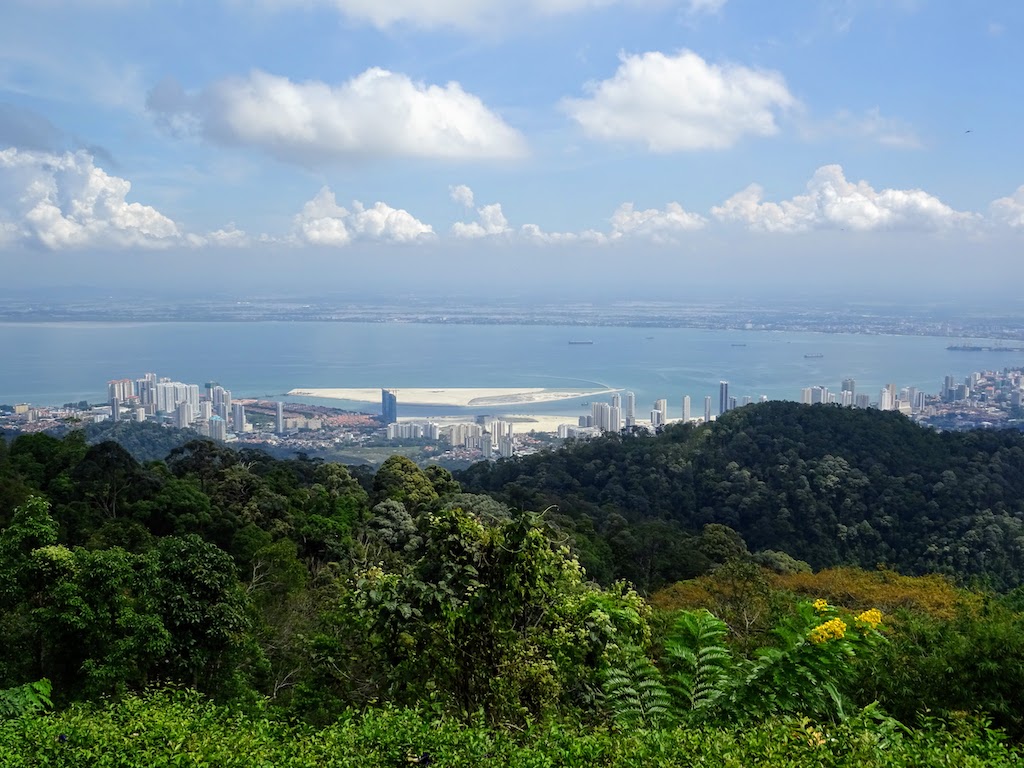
<point x="648" y="148"/>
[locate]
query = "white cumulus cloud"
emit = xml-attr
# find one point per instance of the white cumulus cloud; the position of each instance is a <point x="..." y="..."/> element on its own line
<point x="681" y="102"/>
<point x="323" y="222"/>
<point x="462" y="195"/>
<point x="66" y="201"/>
<point x="833" y="202"/>
<point x="227" y="237"/>
<point x="1010" y="210"/>
<point x="376" y="113"/>
<point x="490" y="222"/>
<point x="653" y="224"/>
<point x="659" y="226"/>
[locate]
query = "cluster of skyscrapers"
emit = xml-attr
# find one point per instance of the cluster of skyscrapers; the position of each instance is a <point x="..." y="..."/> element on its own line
<point x="614" y="416"/>
<point x="492" y="437"/>
<point x="210" y="412"/>
<point x="907" y="400"/>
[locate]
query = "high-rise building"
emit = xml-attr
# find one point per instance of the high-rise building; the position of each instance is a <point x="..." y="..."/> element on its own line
<point x="630" y="409"/>
<point x="238" y="417"/>
<point x="661" y="406"/>
<point x="616" y="400"/>
<point x="388" y="406"/>
<point x="886" y="402"/>
<point x="862" y="401"/>
<point x="506" y="447"/>
<point x="218" y="428"/>
<point x="205" y="410"/>
<point x="849" y="385"/>
<point x="121" y="390"/>
<point x="183" y="415"/>
<point x="656" y="418"/>
<point x="615" y="419"/>
<point x="115" y="409"/>
<point x="732" y="403"/>
<point x="686" y="408"/>
<point x="279" y="424"/>
<point x="707" y="409"/>
<point x="805" y="396"/>
<point x="723" y="397"/>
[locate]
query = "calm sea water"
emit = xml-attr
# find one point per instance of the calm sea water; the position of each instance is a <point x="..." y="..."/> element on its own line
<point x="53" y="363"/>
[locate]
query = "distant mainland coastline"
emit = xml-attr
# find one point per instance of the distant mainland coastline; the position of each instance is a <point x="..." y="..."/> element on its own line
<point x="459" y="397"/>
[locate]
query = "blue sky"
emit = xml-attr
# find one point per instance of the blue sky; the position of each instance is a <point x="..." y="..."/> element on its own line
<point x="495" y="139"/>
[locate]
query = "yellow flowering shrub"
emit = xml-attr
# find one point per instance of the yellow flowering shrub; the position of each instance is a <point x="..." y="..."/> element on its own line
<point x="833" y="629"/>
<point x="859" y="589"/>
<point x="820" y="605"/>
<point x="872" y="618"/>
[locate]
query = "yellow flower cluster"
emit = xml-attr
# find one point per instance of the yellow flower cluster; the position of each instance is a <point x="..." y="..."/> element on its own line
<point x="833" y="629"/>
<point x="872" y="618"/>
<point x="821" y="605"/>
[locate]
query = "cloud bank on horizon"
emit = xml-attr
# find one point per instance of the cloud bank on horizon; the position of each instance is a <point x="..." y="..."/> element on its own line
<point x="508" y="125"/>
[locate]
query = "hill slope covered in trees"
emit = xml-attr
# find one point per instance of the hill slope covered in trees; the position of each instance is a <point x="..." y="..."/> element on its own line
<point x="827" y="485"/>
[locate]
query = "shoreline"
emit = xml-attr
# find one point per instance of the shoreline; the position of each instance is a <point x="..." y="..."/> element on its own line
<point x="457" y="397"/>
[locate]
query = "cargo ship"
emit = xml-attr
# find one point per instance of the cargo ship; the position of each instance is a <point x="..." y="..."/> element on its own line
<point x="813" y="355"/>
<point x="581" y="342"/>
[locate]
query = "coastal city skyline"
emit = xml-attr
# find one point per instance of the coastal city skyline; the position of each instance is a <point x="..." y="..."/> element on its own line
<point x="982" y="398"/>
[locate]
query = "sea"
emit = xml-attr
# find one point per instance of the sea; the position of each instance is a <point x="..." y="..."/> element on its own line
<point x="55" y="363"/>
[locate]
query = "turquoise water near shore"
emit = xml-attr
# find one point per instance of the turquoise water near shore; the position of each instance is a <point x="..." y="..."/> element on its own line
<point x="53" y="363"/>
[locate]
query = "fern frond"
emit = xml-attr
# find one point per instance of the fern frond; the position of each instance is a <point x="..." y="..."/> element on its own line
<point x="698" y="660"/>
<point x="632" y="690"/>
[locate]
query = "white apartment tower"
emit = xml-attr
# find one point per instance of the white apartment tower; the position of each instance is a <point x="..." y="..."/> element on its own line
<point x="238" y="417"/>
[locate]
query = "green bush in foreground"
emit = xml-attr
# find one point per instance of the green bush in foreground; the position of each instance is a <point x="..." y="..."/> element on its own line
<point x="176" y="729"/>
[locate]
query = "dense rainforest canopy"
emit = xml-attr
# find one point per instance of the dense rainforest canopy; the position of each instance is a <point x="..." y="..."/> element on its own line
<point x="515" y="593"/>
<point x="824" y="484"/>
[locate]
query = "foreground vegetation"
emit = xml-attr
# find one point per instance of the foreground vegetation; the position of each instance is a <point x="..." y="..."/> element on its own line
<point x="224" y="606"/>
<point x="176" y="729"/>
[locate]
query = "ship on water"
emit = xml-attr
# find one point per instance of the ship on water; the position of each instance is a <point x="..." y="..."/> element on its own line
<point x="813" y="355"/>
<point x="581" y="342"/>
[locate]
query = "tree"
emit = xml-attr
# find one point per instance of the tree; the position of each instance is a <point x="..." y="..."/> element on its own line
<point x="401" y="480"/>
<point x="203" y="459"/>
<point x="204" y="609"/>
<point x="97" y="619"/>
<point x="104" y="477"/>
<point x="492" y="618"/>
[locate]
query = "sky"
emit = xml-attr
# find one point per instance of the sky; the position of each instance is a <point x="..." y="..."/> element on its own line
<point x="661" y="148"/>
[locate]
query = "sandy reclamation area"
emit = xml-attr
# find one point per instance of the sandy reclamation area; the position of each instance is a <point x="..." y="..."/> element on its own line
<point x="461" y="397"/>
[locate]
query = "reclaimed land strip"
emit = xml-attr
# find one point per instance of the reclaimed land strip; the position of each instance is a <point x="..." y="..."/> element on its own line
<point x="463" y="397"/>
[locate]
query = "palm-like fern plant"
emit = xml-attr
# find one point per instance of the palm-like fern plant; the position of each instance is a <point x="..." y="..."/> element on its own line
<point x="697" y="661"/>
